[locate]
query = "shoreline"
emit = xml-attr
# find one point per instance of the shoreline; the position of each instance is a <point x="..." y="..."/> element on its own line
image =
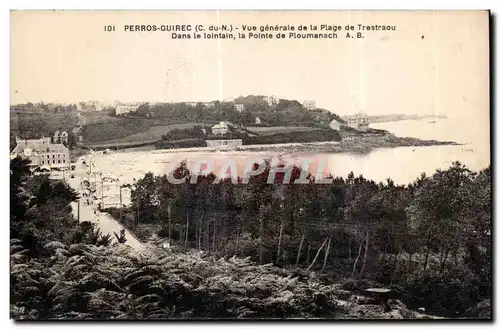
<point x="357" y="145"/>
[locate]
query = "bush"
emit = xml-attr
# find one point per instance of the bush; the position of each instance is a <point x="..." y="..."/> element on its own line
<point x="450" y="294"/>
<point x="115" y="282"/>
<point x="245" y="246"/>
<point x="127" y="218"/>
<point x="183" y="143"/>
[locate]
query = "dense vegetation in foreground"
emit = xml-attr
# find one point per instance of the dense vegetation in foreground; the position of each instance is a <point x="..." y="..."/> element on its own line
<point x="81" y="281"/>
<point x="429" y="240"/>
<point x="62" y="269"/>
<point x="349" y="232"/>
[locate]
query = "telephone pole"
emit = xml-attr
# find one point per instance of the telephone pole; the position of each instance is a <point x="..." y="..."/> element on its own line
<point x="137" y="220"/>
<point x="261" y="233"/>
<point x="102" y="192"/>
<point x="121" y="203"/>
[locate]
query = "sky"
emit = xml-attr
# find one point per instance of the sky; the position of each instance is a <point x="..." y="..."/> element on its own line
<point x="435" y="62"/>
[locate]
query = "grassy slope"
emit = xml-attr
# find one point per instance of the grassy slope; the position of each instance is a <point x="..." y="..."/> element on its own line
<point x="280" y="129"/>
<point x="45" y="123"/>
<point x="141" y="133"/>
<point x="155" y="133"/>
<point x="35" y="125"/>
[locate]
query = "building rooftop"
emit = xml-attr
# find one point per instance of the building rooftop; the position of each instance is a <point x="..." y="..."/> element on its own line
<point x="38" y="145"/>
<point x="220" y="125"/>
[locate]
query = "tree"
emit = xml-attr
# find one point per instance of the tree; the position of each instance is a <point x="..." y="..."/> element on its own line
<point x="19" y="170"/>
<point x="476" y="222"/>
<point x="144" y="197"/>
<point x="19" y="197"/>
<point x="436" y="208"/>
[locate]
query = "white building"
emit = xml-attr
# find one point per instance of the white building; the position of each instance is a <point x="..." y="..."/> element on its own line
<point x="335" y="125"/>
<point x="60" y="137"/>
<point x="358" y="121"/>
<point x="220" y="129"/>
<point x="42" y="153"/>
<point x="192" y="104"/>
<point x="224" y="143"/>
<point x="56" y="136"/>
<point x="124" y="109"/>
<point x="310" y="105"/>
<point x="64" y="137"/>
<point x="258" y="121"/>
<point x="272" y="100"/>
<point x="239" y="107"/>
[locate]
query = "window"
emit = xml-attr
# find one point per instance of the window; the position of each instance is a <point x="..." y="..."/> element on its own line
<point x="58" y="161"/>
<point x="53" y="156"/>
<point x="64" y="161"/>
<point x="43" y="162"/>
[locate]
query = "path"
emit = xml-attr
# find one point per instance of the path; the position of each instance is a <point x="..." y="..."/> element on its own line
<point x="89" y="212"/>
<point x="105" y="223"/>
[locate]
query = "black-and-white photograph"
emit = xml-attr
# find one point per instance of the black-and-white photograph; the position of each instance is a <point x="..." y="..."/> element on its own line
<point x="207" y="165"/>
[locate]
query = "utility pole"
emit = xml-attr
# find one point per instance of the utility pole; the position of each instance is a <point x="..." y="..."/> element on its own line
<point x="137" y="220"/>
<point x="102" y="192"/>
<point x="261" y="233"/>
<point x="169" y="213"/>
<point x="121" y="203"/>
<point x="78" y="212"/>
<point x="279" y="242"/>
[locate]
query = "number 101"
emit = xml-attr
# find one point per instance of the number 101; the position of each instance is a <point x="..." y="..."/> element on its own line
<point x="109" y="28"/>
